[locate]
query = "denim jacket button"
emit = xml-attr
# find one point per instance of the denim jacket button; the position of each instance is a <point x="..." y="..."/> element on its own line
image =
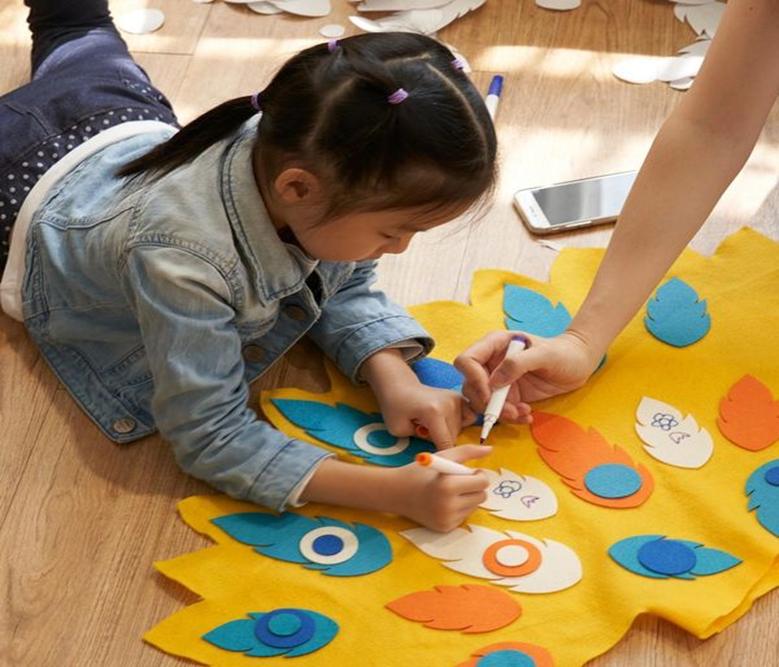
<point x="125" y="425"/>
<point x="253" y="354"/>
<point x="295" y="312"/>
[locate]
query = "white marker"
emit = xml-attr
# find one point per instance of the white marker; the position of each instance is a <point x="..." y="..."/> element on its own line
<point x="493" y="95"/>
<point x="440" y="464"/>
<point x="498" y="398"/>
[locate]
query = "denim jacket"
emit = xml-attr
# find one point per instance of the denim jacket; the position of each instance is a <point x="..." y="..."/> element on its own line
<point x="156" y="303"/>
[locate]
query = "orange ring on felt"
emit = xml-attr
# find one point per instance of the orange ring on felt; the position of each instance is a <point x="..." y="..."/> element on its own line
<point x="490" y="560"/>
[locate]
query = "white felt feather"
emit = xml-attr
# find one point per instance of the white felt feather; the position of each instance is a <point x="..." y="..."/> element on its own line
<point x="463" y="549"/>
<point x="427" y="21"/>
<point x="517" y="497"/>
<point x="671" y="438"/>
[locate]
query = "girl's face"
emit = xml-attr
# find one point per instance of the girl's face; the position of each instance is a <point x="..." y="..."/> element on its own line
<point x="366" y="235"/>
<point x="297" y="200"/>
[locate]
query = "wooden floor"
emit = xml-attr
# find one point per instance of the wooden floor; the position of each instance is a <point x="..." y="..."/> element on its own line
<point x="82" y="519"/>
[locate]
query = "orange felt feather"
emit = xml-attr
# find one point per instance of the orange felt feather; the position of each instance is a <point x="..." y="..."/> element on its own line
<point x="572" y="452"/>
<point x="541" y="657"/>
<point x="470" y="608"/>
<point x="749" y="415"/>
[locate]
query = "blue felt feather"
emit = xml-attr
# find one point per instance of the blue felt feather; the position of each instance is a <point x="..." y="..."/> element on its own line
<point x="242" y="635"/>
<point x="279" y="536"/>
<point x="676" y="315"/>
<point x="666" y="554"/>
<point x="764" y="495"/>
<point x="533" y="313"/>
<point x="337" y="426"/>
<point x="438" y="374"/>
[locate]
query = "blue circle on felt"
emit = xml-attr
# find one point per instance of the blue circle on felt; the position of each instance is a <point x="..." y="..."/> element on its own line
<point x="506" y="658"/>
<point x="612" y="480"/>
<point x="667" y="557"/>
<point x="382" y="439"/>
<point x="327" y="545"/>
<point x="772" y="476"/>
<point x="282" y="619"/>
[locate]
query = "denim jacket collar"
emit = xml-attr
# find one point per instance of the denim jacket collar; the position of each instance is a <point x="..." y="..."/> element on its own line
<point x="278" y="269"/>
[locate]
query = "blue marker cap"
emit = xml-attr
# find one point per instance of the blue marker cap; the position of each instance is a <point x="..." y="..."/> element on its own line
<point x="496" y="85"/>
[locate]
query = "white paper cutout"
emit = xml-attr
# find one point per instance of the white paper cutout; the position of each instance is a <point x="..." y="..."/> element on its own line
<point x="427" y="21"/>
<point x="671" y="438"/>
<point x="398" y="5"/>
<point x="518" y="497"/>
<point x="304" y="7"/>
<point x="682" y="84"/>
<point x="141" y="21"/>
<point x="702" y="18"/>
<point x="559" y="5"/>
<point x="464" y="549"/>
<point x="644" y="69"/>
<point x="264" y="8"/>
<point x="332" y="30"/>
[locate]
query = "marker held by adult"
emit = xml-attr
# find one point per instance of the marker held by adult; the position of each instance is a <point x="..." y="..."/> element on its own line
<point x="498" y="398"/>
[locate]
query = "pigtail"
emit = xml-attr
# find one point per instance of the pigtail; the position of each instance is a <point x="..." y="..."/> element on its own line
<point x="195" y="137"/>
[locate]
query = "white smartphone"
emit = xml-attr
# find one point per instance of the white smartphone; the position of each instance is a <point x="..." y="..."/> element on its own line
<point x="581" y="203"/>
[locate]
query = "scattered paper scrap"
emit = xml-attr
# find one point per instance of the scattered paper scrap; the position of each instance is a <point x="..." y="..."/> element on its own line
<point x="427" y="21"/>
<point x="140" y="21"/>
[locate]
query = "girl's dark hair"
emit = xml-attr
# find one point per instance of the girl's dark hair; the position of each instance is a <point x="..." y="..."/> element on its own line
<point x="327" y="110"/>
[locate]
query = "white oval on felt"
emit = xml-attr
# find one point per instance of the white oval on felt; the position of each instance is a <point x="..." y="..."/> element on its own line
<point x="349" y="539"/>
<point x="512" y="555"/>
<point x="360" y="438"/>
<point x="141" y="21"/>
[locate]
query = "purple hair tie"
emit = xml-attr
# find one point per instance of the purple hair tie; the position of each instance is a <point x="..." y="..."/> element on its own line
<point x="458" y="63"/>
<point x="332" y="45"/>
<point x="398" y="97"/>
<point x="256" y="102"/>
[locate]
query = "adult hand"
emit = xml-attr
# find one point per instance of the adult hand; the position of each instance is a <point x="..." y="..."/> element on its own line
<point x="548" y="367"/>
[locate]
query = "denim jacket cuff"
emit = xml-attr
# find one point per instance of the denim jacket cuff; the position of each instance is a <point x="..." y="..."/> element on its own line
<point x="281" y="477"/>
<point x="379" y="335"/>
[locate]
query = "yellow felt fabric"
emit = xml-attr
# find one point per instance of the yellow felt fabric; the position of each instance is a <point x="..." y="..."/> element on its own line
<point x="741" y="284"/>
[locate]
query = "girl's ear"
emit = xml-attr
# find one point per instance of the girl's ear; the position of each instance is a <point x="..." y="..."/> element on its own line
<point x="297" y="186"/>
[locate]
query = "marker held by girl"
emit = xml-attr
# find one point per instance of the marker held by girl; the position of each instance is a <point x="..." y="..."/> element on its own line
<point x="442" y="465"/>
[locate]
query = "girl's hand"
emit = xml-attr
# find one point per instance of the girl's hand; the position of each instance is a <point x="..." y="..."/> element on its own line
<point x="437" y="501"/>
<point x="550" y="366"/>
<point x="407" y="404"/>
<point x="410" y="405"/>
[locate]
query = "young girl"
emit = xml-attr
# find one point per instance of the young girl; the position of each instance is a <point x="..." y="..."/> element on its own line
<point x="161" y="271"/>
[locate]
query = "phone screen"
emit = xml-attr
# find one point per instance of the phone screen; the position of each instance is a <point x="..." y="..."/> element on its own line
<point x="590" y="199"/>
